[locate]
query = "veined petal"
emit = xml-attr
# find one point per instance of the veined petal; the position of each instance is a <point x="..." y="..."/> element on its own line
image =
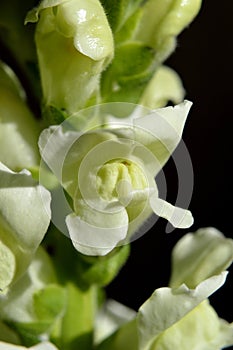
<point x="178" y="217"/>
<point x="99" y="232"/>
<point x="167" y="306"/>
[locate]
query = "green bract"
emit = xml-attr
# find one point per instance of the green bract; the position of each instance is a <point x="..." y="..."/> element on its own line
<point x="18" y="130"/>
<point x="24" y="219"/>
<point x="109" y="174"/>
<point x="74" y="45"/>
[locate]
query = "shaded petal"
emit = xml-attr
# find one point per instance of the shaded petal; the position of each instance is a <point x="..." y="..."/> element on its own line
<point x="167" y="306"/>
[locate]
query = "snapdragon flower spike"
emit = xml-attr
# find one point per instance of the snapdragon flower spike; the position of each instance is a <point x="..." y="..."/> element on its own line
<point x="109" y="173"/>
<point x="24" y="219"/>
<point x="74" y="45"/>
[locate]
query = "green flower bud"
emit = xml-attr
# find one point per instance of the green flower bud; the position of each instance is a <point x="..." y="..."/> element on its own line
<point x="109" y="174"/>
<point x="162" y="21"/>
<point x="18" y="129"/>
<point x="200" y="255"/>
<point x="74" y="45"/>
<point x="24" y="219"/>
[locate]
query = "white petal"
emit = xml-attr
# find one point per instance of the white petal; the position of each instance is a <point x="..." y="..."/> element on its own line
<point x="178" y="217"/>
<point x="100" y="234"/>
<point x="161" y="130"/>
<point x="54" y="144"/>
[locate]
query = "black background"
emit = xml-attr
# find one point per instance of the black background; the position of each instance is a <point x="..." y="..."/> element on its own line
<point x="203" y="59"/>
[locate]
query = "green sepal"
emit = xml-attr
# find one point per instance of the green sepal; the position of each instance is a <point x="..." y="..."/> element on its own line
<point x="101" y="270"/>
<point x="128" y="30"/>
<point x="119" y="11"/>
<point x="129" y="72"/>
<point x="53" y="115"/>
<point x="50" y="303"/>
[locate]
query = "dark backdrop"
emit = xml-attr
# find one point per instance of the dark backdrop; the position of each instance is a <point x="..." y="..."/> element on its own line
<point x="203" y="59"/>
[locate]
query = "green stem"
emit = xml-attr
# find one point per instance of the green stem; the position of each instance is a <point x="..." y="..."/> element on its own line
<point x="78" y="322"/>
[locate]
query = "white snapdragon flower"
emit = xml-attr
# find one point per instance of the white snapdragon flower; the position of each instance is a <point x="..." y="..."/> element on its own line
<point x="109" y="175"/>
